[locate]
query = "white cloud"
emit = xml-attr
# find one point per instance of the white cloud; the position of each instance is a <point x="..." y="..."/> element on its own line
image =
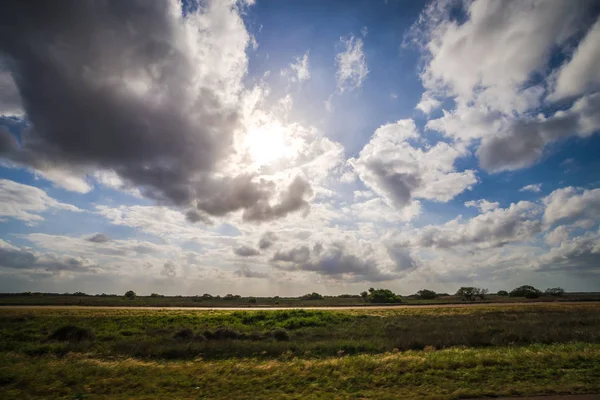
<point x="393" y="168"/>
<point x="428" y="103"/>
<point x="570" y="204"/>
<point x="482" y="205"/>
<point x="582" y="72"/>
<point x="533" y="188"/>
<point x="26" y="203"/>
<point x="298" y="71"/>
<point x="351" y="64"/>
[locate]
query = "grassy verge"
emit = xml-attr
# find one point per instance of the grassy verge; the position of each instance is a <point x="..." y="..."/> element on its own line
<point x="437" y="353"/>
<point x="444" y="374"/>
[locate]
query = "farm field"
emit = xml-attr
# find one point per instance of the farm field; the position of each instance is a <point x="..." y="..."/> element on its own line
<point x="436" y="353"/>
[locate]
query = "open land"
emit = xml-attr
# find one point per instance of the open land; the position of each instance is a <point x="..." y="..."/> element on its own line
<point x="411" y="352"/>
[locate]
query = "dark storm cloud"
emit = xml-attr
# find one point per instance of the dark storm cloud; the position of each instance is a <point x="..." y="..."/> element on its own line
<point x="116" y="85"/>
<point x="98" y="238"/>
<point x="267" y="240"/>
<point x="246" y="251"/>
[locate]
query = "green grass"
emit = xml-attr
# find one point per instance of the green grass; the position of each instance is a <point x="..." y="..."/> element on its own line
<point x="440" y="353"/>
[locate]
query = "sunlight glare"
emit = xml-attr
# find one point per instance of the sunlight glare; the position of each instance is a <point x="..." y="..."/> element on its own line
<point x="267" y="144"/>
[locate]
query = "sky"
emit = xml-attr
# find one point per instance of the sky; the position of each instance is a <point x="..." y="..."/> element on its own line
<point x="274" y="147"/>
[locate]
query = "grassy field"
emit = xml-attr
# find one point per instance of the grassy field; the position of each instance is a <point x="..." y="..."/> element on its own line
<point x="438" y="353"/>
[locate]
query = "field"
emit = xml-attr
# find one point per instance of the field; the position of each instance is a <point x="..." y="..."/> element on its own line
<point x="438" y="353"/>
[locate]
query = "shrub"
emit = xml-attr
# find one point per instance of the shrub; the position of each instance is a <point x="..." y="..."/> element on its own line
<point x="156" y="295"/>
<point x="230" y="296"/>
<point x="224" y="334"/>
<point x="526" y="291"/>
<point x="426" y="294"/>
<point x="252" y="300"/>
<point x="312" y="296"/>
<point x="71" y="333"/>
<point x="502" y="293"/>
<point x="383" y="296"/>
<point x="557" y="292"/>
<point x="469" y="293"/>
<point x="183" y="334"/>
<point x="130" y="294"/>
<point x="280" y="335"/>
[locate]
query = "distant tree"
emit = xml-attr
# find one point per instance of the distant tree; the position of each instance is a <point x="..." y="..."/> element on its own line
<point x="383" y="296"/>
<point x="557" y="292"/>
<point x="526" y="291"/>
<point x="206" y="296"/>
<point x="79" y="294"/>
<point x="156" y="295"/>
<point x="312" y="296"/>
<point x="364" y="295"/>
<point x="252" y="300"/>
<point x="230" y="296"/>
<point x="426" y="294"/>
<point x="469" y="293"/>
<point x="502" y="293"/>
<point x="130" y="294"/>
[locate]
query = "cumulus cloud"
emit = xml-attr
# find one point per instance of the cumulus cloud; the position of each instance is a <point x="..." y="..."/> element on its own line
<point x="482" y="205"/>
<point x="494" y="228"/>
<point x="582" y="72"/>
<point x="25" y="203"/>
<point x="533" y="188"/>
<point x="351" y="64"/>
<point x="157" y="93"/>
<point x="246" y="251"/>
<point x="169" y="270"/>
<point x="335" y="261"/>
<point x="400" y="172"/>
<point x="570" y="204"/>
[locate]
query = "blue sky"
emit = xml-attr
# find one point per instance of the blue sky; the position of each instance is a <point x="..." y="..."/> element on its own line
<point x="279" y="147"/>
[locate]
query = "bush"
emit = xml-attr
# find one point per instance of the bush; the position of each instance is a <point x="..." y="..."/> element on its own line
<point x="224" y="334"/>
<point x="526" y="291"/>
<point x="312" y="296"/>
<point x="71" y="333"/>
<point x="183" y="334"/>
<point x="280" y="335"/>
<point x="426" y="294"/>
<point x="469" y="293"/>
<point x="383" y="296"/>
<point x="130" y="294"/>
<point x="252" y="300"/>
<point x="502" y="293"/>
<point x="156" y="295"/>
<point x="557" y="292"/>
<point x="230" y="296"/>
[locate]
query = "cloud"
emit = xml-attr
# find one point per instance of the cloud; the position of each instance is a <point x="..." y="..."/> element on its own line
<point x="25" y="259"/>
<point x="570" y="204"/>
<point x="427" y="103"/>
<point x="582" y="72"/>
<point x="579" y="254"/>
<point x="246" y="251"/>
<point x="335" y="262"/>
<point x="522" y="142"/>
<point x="245" y="272"/>
<point x="298" y="71"/>
<point x="267" y="240"/>
<point x="25" y="203"/>
<point x="158" y="94"/>
<point x="351" y="64"/>
<point x="169" y="270"/>
<point x="99" y="238"/>
<point x="533" y="188"/>
<point x="10" y="100"/>
<point x="493" y="228"/>
<point x="482" y="205"/>
<point x="393" y="168"/>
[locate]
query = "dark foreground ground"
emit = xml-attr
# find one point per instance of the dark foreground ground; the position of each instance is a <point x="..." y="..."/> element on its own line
<point x="431" y="353"/>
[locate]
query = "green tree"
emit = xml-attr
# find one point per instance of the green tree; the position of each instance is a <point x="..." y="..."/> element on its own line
<point x="130" y="294"/>
<point x="383" y="296"/>
<point x="311" y="296"/>
<point x="526" y="291"/>
<point x="469" y="293"/>
<point x="557" y="292"/>
<point x="426" y="294"/>
<point x="252" y="300"/>
<point x="502" y="293"/>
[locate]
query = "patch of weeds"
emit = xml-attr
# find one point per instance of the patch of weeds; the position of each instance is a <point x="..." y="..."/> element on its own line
<point x="71" y="333"/>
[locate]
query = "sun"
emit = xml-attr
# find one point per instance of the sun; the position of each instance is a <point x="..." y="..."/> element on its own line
<point x="267" y="144"/>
